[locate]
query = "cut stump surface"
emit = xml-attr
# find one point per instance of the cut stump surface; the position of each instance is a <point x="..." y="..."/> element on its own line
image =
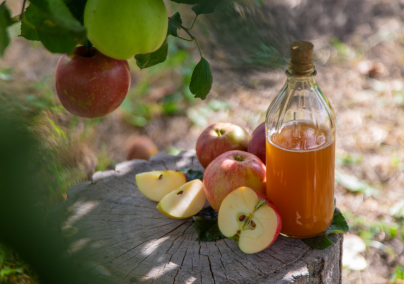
<point x="116" y="232"/>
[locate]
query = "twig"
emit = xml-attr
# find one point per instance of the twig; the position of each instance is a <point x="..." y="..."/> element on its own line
<point x="23" y="9"/>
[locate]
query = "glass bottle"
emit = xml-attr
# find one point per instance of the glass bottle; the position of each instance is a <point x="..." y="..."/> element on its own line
<point x="300" y="149"/>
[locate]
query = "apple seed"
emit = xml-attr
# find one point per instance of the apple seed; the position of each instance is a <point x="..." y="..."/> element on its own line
<point x="253" y="224"/>
<point x="181" y="192"/>
<point x="242" y="217"/>
<point x="161" y="176"/>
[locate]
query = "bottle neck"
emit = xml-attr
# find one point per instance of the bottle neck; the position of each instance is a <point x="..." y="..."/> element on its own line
<point x="301" y="71"/>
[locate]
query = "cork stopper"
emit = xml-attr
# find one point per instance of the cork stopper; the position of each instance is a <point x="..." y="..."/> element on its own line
<point x="301" y="54"/>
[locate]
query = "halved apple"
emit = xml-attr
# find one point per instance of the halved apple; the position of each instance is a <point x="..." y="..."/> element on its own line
<point x="184" y="202"/>
<point x="157" y="184"/>
<point x="250" y="219"/>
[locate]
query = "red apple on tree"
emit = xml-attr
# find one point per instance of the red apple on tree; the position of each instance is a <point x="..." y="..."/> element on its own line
<point x="230" y="171"/>
<point x="257" y="144"/>
<point x="90" y="84"/>
<point x="220" y="138"/>
<point x="250" y="219"/>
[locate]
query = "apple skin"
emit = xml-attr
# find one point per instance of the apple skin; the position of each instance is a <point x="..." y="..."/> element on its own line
<point x="278" y="215"/>
<point x="141" y="147"/>
<point x="257" y="144"/>
<point x="222" y="218"/>
<point x="90" y="84"/>
<point x="225" y="173"/>
<point x="220" y="138"/>
<point x="124" y="28"/>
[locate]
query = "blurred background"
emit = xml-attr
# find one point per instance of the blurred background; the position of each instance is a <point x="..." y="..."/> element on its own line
<point x="359" y="57"/>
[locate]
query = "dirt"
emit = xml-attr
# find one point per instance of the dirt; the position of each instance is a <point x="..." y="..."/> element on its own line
<point x="359" y="47"/>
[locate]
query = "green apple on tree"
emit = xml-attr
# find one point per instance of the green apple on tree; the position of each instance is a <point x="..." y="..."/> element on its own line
<point x="124" y="28"/>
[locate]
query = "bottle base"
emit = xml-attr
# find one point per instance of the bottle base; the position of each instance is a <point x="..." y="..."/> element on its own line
<point x="302" y="237"/>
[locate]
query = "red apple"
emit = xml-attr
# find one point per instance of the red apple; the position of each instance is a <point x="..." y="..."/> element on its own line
<point x="230" y="171"/>
<point x="90" y="84"/>
<point x="257" y="144"/>
<point x="218" y="139"/>
<point x="250" y="219"/>
<point x="141" y="147"/>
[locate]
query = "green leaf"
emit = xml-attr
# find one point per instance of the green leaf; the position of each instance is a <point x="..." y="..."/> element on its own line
<point x="194" y="175"/>
<point x="172" y="28"/>
<point x="51" y="22"/>
<point x="32" y="18"/>
<point x="353" y="184"/>
<point x="206" y="226"/>
<point x="154" y="58"/>
<point x="76" y="7"/>
<point x="189" y="2"/>
<point x="338" y="226"/>
<point x="206" y="7"/>
<point x="202" y="80"/>
<point x="5" y="22"/>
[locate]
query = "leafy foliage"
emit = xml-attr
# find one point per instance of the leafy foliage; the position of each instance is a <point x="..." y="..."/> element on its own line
<point x="189" y="2"/>
<point x="51" y="22"/>
<point x="5" y="22"/>
<point x="206" y="7"/>
<point x="58" y="24"/>
<point x="206" y="226"/>
<point x="192" y="174"/>
<point x="151" y="59"/>
<point x="202" y="80"/>
<point x="338" y="225"/>
<point x="172" y="28"/>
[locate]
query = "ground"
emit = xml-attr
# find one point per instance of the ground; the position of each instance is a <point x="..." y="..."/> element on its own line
<point x="359" y="47"/>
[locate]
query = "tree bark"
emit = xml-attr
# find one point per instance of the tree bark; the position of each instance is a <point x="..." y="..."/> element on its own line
<point x="112" y="230"/>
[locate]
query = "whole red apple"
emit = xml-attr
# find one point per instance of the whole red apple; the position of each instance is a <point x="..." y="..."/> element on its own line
<point x="141" y="147"/>
<point x="257" y="144"/>
<point x="220" y="138"/>
<point x="90" y="84"/>
<point x="231" y="170"/>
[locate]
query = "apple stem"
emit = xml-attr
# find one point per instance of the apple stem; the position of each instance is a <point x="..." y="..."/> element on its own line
<point x="238" y="158"/>
<point x="89" y="44"/>
<point x="23" y="10"/>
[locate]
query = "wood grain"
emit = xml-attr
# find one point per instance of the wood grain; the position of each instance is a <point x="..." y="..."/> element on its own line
<point x="112" y="230"/>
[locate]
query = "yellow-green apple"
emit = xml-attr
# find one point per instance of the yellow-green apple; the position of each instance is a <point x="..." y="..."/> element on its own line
<point x="183" y="202"/>
<point x="230" y="171"/>
<point x="220" y="138"/>
<point x="90" y="84"/>
<point x="257" y="144"/>
<point x="157" y="184"/>
<point x="124" y="28"/>
<point x="249" y="218"/>
<point x="141" y="147"/>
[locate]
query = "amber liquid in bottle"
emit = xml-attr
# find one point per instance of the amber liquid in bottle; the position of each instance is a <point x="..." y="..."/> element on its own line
<point x="300" y="177"/>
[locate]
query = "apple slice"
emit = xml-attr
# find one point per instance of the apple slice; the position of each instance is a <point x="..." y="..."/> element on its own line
<point x="184" y="202"/>
<point x="248" y="217"/>
<point x="157" y="184"/>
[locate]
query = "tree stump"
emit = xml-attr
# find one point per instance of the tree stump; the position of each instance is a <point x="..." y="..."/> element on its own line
<point x="116" y="232"/>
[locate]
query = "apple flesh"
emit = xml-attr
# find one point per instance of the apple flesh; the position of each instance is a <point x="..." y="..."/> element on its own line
<point x="183" y="202"/>
<point x="90" y="84"/>
<point x="257" y="144"/>
<point x="250" y="219"/>
<point x="230" y="171"/>
<point x="157" y="184"/>
<point x="220" y="138"/>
